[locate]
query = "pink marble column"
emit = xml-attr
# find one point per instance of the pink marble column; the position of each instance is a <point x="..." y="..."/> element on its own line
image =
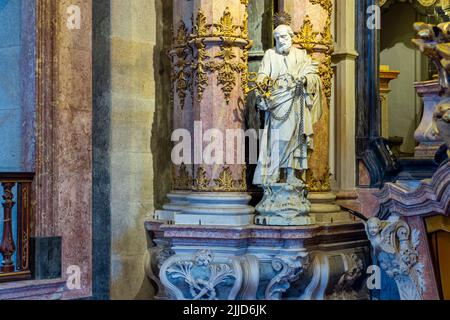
<point x="220" y="70"/>
<point x="181" y="55"/>
<point x="210" y="55"/>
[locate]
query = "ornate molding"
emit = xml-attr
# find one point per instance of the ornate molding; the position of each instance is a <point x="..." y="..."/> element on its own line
<point x="227" y="68"/>
<point x="202" y="183"/>
<point x="183" y="180"/>
<point x="344" y="289"/>
<point x="321" y="184"/>
<point x="430" y="197"/>
<point x="181" y="56"/>
<point x="194" y="63"/>
<point x="203" y="276"/>
<point x="224" y="183"/>
<point x="396" y="249"/>
<point x="306" y="37"/>
<point x="288" y="270"/>
<point x="156" y="256"/>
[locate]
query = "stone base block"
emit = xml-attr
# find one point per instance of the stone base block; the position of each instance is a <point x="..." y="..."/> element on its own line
<point x="325" y="210"/>
<point x="213" y="219"/>
<point x="216" y="208"/>
<point x="317" y="262"/>
<point x="164" y="215"/>
<point x="427" y="150"/>
<point x="279" y="221"/>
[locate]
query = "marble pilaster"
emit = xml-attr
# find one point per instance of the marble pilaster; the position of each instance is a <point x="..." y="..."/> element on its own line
<point x="344" y="58"/>
<point x="64" y="136"/>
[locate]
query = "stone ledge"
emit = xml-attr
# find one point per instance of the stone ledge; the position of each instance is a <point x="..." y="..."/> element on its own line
<point x="32" y="290"/>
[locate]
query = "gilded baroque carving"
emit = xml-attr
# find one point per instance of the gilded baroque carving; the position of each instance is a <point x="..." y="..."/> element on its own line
<point x="306" y="37"/>
<point x="183" y="180"/>
<point x="228" y="68"/>
<point x="200" y="27"/>
<point x="225" y="27"/>
<point x="327" y="5"/>
<point x="224" y="183"/>
<point x="181" y="55"/>
<point x="321" y="184"/>
<point x="309" y="40"/>
<point x="202" y="183"/>
<point x="326" y="73"/>
<point x="226" y="62"/>
<point x="200" y="67"/>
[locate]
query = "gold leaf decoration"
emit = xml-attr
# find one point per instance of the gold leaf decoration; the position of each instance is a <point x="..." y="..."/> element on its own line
<point x="200" y="27"/>
<point x="182" y="181"/>
<point x="201" y="181"/>
<point x="225" y="181"/>
<point x="226" y="28"/>
<point x="242" y="183"/>
<point x="306" y="37"/>
<point x="201" y="68"/>
<point x="326" y="74"/>
<point x="227" y="70"/>
<point x="181" y="36"/>
<point x="327" y="5"/>
<point x="321" y="184"/>
<point x="192" y="67"/>
<point x="181" y="56"/>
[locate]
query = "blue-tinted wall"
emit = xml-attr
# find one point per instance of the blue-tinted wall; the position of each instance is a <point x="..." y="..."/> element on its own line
<point x="17" y="92"/>
<point x="17" y="85"/>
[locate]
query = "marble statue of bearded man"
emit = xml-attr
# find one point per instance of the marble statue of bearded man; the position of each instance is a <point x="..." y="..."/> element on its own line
<point x="294" y="106"/>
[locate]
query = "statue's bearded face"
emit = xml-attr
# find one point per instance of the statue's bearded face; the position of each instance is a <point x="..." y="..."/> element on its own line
<point x="283" y="39"/>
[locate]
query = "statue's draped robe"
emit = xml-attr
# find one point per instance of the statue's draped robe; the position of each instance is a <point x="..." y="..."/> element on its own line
<point x="285" y="134"/>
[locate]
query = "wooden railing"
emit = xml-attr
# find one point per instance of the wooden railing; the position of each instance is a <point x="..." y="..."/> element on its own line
<point x="15" y="242"/>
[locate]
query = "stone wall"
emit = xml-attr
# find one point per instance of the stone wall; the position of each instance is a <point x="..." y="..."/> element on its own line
<point x="16" y="46"/>
<point x="140" y="167"/>
<point x="398" y="52"/>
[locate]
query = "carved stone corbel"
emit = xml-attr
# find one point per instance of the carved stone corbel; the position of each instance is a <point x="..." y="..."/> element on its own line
<point x="156" y="256"/>
<point x="289" y="269"/>
<point x="344" y="289"/>
<point x="202" y="277"/>
<point x="396" y="249"/>
<point x="251" y="276"/>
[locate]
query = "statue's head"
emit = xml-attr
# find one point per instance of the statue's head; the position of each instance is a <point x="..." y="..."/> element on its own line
<point x="373" y="226"/>
<point x="283" y="35"/>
